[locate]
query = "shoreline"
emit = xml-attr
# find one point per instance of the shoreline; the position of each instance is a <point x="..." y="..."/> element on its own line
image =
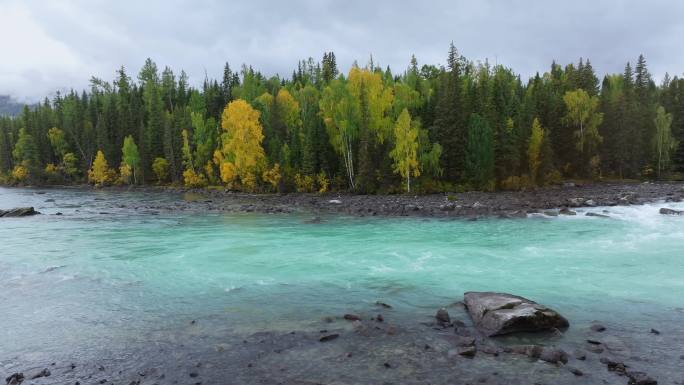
<point x="472" y="205"/>
<point x="379" y="345"/>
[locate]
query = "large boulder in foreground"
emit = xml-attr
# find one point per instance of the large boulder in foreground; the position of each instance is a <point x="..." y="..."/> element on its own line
<point x="499" y="313"/>
<point x="18" y="212"/>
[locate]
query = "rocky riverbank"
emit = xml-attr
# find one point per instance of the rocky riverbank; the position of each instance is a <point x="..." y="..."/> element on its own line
<point x="374" y="345"/>
<point x="472" y="205"/>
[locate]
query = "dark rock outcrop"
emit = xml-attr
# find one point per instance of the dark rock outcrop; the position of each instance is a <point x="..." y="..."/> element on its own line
<point x="666" y="211"/>
<point x="500" y="313"/>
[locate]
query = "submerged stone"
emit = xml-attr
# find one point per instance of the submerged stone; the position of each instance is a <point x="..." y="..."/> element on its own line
<point x="500" y="313"/>
<point x="352" y="317"/>
<point x="328" y="337"/>
<point x="596" y="327"/>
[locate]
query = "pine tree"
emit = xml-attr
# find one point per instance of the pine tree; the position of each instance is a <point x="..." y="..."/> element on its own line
<point x="479" y="159"/>
<point x="449" y="128"/>
<point x="25" y="151"/>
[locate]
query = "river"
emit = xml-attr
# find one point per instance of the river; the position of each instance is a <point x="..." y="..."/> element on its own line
<point x="103" y="277"/>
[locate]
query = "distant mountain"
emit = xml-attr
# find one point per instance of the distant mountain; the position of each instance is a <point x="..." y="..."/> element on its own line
<point x="9" y="107"/>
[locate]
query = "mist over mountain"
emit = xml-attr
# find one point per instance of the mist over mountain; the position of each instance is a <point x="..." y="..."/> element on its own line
<point x="9" y="106"/>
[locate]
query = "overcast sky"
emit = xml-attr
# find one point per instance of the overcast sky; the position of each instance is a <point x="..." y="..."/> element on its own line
<point x="55" y="45"/>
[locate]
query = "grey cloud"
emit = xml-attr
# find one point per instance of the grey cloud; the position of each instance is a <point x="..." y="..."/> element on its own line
<point x="95" y="37"/>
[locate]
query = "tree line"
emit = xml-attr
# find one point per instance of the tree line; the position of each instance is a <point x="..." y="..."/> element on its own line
<point x="465" y="125"/>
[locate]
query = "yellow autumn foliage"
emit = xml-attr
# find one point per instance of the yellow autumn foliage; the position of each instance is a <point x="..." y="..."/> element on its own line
<point x="323" y="182"/>
<point x="20" y="173"/>
<point x="100" y="174"/>
<point x="242" y="156"/>
<point x="193" y="179"/>
<point x="272" y="176"/>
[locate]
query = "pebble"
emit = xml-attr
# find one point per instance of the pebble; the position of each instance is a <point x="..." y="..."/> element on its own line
<point x="467" y="351"/>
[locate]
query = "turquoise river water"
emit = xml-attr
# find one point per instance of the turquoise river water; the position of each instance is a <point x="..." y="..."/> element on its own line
<point x="102" y="275"/>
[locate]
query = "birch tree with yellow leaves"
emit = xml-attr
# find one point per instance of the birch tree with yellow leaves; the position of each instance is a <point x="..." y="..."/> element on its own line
<point x="241" y="155"/>
<point x="405" y="152"/>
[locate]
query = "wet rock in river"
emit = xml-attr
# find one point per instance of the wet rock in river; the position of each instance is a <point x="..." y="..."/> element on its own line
<point x="18" y="212"/>
<point x="614" y="366"/>
<point x="382" y="304"/>
<point x="352" y="317"/>
<point x="15" y="379"/>
<point x="566" y="211"/>
<point x="666" y="211"/>
<point x="597" y="215"/>
<point x="500" y="313"/>
<point x="553" y="355"/>
<point x="328" y="337"/>
<point x="640" y="378"/>
<point x="442" y="316"/>
<point x="514" y="214"/>
<point x="39" y="374"/>
<point x="467" y="351"/>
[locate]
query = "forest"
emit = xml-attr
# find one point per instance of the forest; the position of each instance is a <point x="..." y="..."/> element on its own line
<point x="468" y="125"/>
